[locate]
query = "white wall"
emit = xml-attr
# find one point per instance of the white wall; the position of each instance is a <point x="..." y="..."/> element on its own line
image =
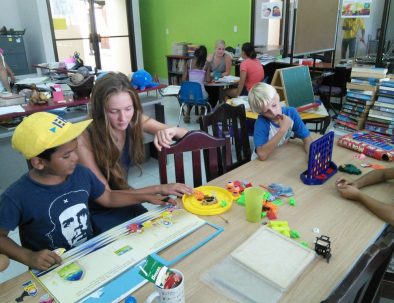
<point x="137" y="34"/>
<point x="38" y="41"/>
<point x="9" y="15"/>
<point x="32" y="16"/>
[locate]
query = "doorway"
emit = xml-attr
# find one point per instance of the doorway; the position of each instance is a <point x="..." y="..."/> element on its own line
<point x="100" y="31"/>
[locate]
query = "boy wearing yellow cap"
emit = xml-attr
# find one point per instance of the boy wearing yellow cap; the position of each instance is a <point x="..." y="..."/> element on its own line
<point x="50" y="202"/>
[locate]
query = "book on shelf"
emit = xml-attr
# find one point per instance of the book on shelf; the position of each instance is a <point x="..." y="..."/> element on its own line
<point x="365" y="80"/>
<point x="382" y="109"/>
<point x="379" y="120"/>
<point x="359" y="101"/>
<point x="380" y="116"/>
<point x="343" y="128"/>
<point x="389" y="83"/>
<point x="385" y="99"/>
<point x="173" y="65"/>
<point x="390" y="96"/>
<point x="367" y="75"/>
<point x="381" y="113"/>
<point x="350" y="125"/>
<point x="387" y="93"/>
<point x="181" y="65"/>
<point x="384" y="87"/>
<point x="359" y="95"/>
<point x="346" y="118"/>
<point x="383" y="123"/>
<point x="370" y="72"/>
<point x="383" y="104"/>
<point x="359" y="86"/>
<point x="379" y="129"/>
<point x="367" y="93"/>
<point x="352" y="110"/>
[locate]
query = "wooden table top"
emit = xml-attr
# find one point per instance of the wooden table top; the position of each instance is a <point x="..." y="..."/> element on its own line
<point x="350" y="226"/>
<point x="30" y="109"/>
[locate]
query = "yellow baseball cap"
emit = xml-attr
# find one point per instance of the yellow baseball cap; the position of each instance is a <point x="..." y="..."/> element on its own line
<point x="41" y="131"/>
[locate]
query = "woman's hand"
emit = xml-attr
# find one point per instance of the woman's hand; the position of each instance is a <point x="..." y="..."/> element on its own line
<point x="164" y="137"/>
<point x="176" y="189"/>
<point x="160" y="200"/>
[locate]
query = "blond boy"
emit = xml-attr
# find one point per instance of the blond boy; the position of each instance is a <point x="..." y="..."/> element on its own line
<point x="275" y="124"/>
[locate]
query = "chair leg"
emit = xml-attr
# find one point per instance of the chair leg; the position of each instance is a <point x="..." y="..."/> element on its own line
<point x="180" y="114"/>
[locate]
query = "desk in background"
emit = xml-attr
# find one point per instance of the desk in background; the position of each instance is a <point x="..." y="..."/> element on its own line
<point x="220" y="85"/>
<point x="350" y="226"/>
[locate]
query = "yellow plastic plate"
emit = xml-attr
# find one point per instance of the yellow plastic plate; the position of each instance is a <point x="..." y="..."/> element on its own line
<point x="194" y="206"/>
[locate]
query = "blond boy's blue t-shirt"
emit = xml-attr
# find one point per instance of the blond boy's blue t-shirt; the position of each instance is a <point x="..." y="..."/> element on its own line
<point x="265" y="129"/>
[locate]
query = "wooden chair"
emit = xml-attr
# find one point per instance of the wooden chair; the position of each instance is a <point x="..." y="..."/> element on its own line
<point x="230" y="121"/>
<point x="216" y="155"/>
<point x="362" y="284"/>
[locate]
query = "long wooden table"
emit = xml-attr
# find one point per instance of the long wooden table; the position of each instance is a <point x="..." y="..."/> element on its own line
<point x="350" y="226"/>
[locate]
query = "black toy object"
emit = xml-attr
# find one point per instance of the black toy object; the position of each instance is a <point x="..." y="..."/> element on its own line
<point x="322" y="247"/>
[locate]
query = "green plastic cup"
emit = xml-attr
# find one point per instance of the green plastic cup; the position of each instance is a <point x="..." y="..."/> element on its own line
<point x="253" y="203"/>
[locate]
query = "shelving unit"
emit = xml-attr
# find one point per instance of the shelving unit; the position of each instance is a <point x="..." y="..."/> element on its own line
<point x="360" y="97"/>
<point x="175" y="67"/>
<point x="15" y="53"/>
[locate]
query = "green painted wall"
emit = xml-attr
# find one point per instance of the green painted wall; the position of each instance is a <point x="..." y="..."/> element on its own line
<point x="194" y="21"/>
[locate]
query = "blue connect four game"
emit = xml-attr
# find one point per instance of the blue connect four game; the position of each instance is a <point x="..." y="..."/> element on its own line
<point x="320" y="166"/>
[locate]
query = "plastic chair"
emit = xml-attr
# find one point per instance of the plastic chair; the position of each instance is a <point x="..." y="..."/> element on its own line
<point x="216" y="155"/>
<point x="362" y="284"/>
<point x="230" y="121"/>
<point x="191" y="94"/>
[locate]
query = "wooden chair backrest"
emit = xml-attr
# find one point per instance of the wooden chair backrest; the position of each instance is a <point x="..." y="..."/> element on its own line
<point x="216" y="154"/>
<point x="230" y="121"/>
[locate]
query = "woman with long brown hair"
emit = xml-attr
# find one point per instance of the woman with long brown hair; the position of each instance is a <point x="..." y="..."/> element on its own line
<point x="114" y="142"/>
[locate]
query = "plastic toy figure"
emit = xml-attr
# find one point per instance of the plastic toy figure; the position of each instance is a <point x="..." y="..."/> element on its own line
<point x="322" y="247"/>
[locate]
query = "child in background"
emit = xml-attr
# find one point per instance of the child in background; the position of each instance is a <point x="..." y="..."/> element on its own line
<point x="351" y="190"/>
<point x="196" y="71"/>
<point x="274" y="124"/>
<point x="49" y="204"/>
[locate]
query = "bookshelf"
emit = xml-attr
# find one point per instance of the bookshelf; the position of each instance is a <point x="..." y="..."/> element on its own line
<point x="175" y="67"/>
<point x="381" y="115"/>
<point x="360" y="97"/>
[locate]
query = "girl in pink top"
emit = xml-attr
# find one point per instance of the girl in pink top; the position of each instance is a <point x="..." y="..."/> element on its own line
<point x="251" y="72"/>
